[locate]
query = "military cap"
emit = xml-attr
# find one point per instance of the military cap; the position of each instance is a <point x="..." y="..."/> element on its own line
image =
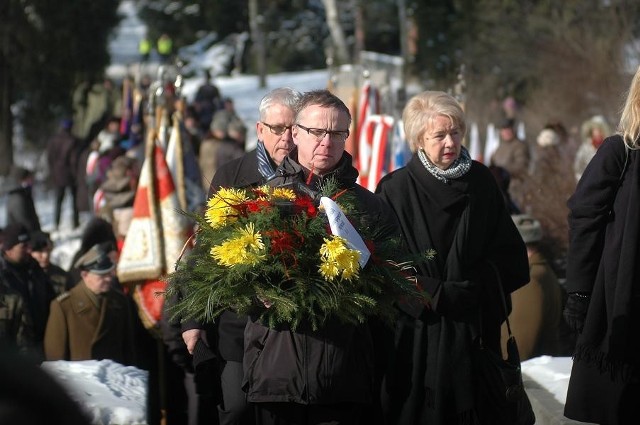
<point x="96" y="260"/>
<point x="14" y="234"/>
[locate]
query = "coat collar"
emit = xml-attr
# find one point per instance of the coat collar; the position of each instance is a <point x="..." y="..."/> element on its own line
<point x="445" y="195"/>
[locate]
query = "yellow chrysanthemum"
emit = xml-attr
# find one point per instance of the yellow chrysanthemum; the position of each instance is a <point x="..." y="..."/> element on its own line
<point x="282" y="194"/>
<point x="329" y="270"/>
<point x="347" y="261"/>
<point x="332" y="247"/>
<point x="337" y="259"/>
<point x="275" y="193"/>
<point x="247" y="248"/>
<point x="220" y="211"/>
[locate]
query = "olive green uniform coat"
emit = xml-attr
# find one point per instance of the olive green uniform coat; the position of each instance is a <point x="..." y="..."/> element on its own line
<point x="78" y="330"/>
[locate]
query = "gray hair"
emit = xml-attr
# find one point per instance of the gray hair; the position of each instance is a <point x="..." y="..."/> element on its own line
<point x="423" y="108"/>
<point x="285" y="96"/>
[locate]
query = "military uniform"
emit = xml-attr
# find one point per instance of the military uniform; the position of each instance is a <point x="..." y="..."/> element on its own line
<point x="84" y="325"/>
<point x="15" y="323"/>
<point x="82" y="328"/>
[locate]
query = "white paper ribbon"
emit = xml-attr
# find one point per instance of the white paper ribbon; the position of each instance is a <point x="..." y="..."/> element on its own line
<point x="340" y="226"/>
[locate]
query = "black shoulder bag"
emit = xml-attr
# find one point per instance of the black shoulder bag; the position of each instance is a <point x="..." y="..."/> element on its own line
<point x="501" y="398"/>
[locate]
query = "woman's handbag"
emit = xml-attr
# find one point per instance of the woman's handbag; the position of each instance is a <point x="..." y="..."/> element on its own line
<point x="501" y="395"/>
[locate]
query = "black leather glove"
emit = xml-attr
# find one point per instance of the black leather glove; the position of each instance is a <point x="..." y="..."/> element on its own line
<point x="575" y="310"/>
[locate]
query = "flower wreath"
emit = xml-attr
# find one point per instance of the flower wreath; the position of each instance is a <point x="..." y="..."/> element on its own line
<point x="270" y="252"/>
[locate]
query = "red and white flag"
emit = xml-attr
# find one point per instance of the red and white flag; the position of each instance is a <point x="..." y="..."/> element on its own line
<point x="368" y="105"/>
<point x="157" y="233"/>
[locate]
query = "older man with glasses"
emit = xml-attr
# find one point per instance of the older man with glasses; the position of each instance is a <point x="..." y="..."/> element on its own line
<point x="275" y="141"/>
<point x="326" y="375"/>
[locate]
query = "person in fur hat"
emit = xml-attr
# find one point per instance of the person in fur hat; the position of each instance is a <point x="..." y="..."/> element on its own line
<point x="593" y="132"/>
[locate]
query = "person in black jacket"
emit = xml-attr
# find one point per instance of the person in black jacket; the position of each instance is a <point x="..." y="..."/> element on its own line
<point x="62" y="156"/>
<point x="326" y="375"/>
<point x="252" y="169"/>
<point x="22" y="273"/>
<point x="41" y="246"/>
<point x="450" y="208"/>
<point x="603" y="305"/>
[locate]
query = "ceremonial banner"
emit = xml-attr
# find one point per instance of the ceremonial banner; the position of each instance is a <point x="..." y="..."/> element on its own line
<point x="156" y="236"/>
<point x="175" y="163"/>
<point x="379" y="160"/>
<point x="142" y="252"/>
<point x="184" y="167"/>
<point x="368" y="105"/>
<point x="400" y="151"/>
<point x="373" y="155"/>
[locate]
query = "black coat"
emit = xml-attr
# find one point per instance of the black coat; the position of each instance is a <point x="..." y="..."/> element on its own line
<point x="62" y="157"/>
<point x="229" y="327"/>
<point x="334" y="364"/>
<point x="464" y="225"/>
<point x="36" y="289"/>
<point x="603" y="260"/>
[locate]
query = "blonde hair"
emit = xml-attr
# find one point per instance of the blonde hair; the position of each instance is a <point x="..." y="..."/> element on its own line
<point x="629" y="126"/>
<point x="423" y="108"/>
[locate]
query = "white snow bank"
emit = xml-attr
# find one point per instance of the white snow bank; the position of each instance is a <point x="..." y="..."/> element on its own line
<point x="110" y="392"/>
<point x="552" y="373"/>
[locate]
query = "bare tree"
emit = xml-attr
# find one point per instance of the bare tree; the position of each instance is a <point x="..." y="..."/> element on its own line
<point x="335" y="29"/>
<point x="257" y="35"/>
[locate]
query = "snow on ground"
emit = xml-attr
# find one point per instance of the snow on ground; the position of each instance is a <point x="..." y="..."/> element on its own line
<point x="552" y="373"/>
<point x="110" y="392"/>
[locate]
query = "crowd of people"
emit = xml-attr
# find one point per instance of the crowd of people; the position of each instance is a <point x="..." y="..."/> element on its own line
<point x="483" y="227"/>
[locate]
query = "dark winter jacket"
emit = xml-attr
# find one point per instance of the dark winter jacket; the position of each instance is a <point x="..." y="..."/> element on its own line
<point x="31" y="282"/>
<point x="334" y="364"/>
<point x="16" y="328"/>
<point x="62" y="155"/>
<point x="229" y="327"/>
<point x="465" y="226"/>
<point x="603" y="261"/>
<point x="61" y="279"/>
<point x="20" y="206"/>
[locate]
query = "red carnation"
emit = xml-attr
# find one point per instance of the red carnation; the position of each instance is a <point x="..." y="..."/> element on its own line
<point x="305" y="204"/>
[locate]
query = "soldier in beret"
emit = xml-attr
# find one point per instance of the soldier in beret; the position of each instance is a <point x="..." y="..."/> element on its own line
<point x="93" y="321"/>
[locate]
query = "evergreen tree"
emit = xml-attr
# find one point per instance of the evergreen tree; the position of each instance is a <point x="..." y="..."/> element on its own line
<point x="47" y="48"/>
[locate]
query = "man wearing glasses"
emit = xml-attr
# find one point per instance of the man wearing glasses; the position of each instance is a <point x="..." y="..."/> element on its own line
<point x="225" y="338"/>
<point x="327" y="375"/>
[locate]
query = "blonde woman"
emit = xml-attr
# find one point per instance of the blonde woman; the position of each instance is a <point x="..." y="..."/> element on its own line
<point x="452" y="213"/>
<point x="603" y="273"/>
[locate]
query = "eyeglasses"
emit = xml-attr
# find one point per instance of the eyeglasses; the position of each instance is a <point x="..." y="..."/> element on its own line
<point x="320" y="133"/>
<point x="278" y="130"/>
